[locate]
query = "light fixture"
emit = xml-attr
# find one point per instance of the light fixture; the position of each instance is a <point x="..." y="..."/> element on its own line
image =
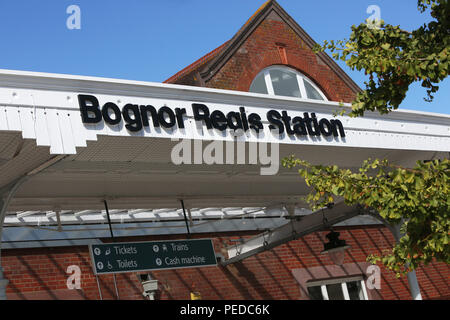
<point x="150" y="286"/>
<point x="335" y="248"/>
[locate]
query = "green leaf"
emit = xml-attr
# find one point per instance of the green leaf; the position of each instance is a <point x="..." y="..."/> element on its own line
<point x="417" y="196"/>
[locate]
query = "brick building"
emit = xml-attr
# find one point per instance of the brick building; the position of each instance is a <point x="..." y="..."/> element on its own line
<point x="270" y="54"/>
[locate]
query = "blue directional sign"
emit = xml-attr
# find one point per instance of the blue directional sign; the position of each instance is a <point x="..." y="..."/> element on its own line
<point x="145" y="256"/>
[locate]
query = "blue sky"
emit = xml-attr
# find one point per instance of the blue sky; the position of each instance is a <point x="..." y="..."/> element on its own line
<point x="151" y="40"/>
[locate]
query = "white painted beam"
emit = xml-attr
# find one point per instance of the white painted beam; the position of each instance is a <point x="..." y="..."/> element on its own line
<point x="25" y="214"/>
<point x="291" y="231"/>
<point x="84" y="212"/>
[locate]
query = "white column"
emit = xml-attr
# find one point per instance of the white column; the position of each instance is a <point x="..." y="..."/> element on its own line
<point x="414" y="285"/>
<point x="414" y="288"/>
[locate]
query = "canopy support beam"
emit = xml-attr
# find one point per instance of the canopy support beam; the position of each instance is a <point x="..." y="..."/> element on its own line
<point x="295" y="229"/>
<point x="6" y="195"/>
<point x="5" y="199"/>
<point x="185" y="219"/>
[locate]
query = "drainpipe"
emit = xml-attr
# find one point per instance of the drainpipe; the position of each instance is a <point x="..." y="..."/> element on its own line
<point x="414" y="288"/>
<point x="412" y="277"/>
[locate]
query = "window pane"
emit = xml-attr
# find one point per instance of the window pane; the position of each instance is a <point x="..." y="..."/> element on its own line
<point x="355" y="291"/>
<point x="335" y="292"/>
<point x="315" y="293"/>
<point x="259" y="84"/>
<point x="285" y="83"/>
<point x="311" y="92"/>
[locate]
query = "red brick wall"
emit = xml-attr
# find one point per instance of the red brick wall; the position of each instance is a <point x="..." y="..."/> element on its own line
<point x="261" y="50"/>
<point x="41" y="273"/>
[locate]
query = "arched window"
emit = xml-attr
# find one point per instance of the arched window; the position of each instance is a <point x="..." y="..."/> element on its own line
<point x="284" y="81"/>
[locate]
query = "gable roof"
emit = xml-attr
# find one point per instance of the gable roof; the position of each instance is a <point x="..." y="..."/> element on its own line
<point x="206" y="67"/>
<point x="195" y="65"/>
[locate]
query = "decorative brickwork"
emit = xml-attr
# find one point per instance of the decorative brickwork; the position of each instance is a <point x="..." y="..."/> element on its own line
<point x="269" y="38"/>
<point x="262" y="50"/>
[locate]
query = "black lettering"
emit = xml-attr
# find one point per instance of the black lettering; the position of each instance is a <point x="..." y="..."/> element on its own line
<point x="325" y="127"/>
<point x="234" y="120"/>
<point x="338" y="124"/>
<point x="244" y="118"/>
<point x="218" y="119"/>
<point x="308" y="122"/>
<point x="105" y="112"/>
<point x="274" y="118"/>
<point x="134" y="123"/>
<point x="299" y="126"/>
<point x="85" y="109"/>
<point x="201" y="113"/>
<point x="255" y="122"/>
<point x="180" y="120"/>
<point x="163" y="111"/>
<point x="287" y="122"/>
<point x="144" y="114"/>
<point x="316" y="125"/>
<point x="137" y="117"/>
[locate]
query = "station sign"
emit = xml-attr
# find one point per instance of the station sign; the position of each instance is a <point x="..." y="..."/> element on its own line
<point x="136" y="117"/>
<point x="156" y="255"/>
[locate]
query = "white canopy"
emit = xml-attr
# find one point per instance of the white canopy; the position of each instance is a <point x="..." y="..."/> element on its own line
<point x="67" y="166"/>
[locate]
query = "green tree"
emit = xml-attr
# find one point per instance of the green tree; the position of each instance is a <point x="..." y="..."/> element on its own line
<point x="394" y="58"/>
<point x="416" y="198"/>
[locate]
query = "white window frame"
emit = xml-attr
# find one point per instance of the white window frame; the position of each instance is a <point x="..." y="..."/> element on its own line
<point x="343" y="281"/>
<point x="301" y="78"/>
